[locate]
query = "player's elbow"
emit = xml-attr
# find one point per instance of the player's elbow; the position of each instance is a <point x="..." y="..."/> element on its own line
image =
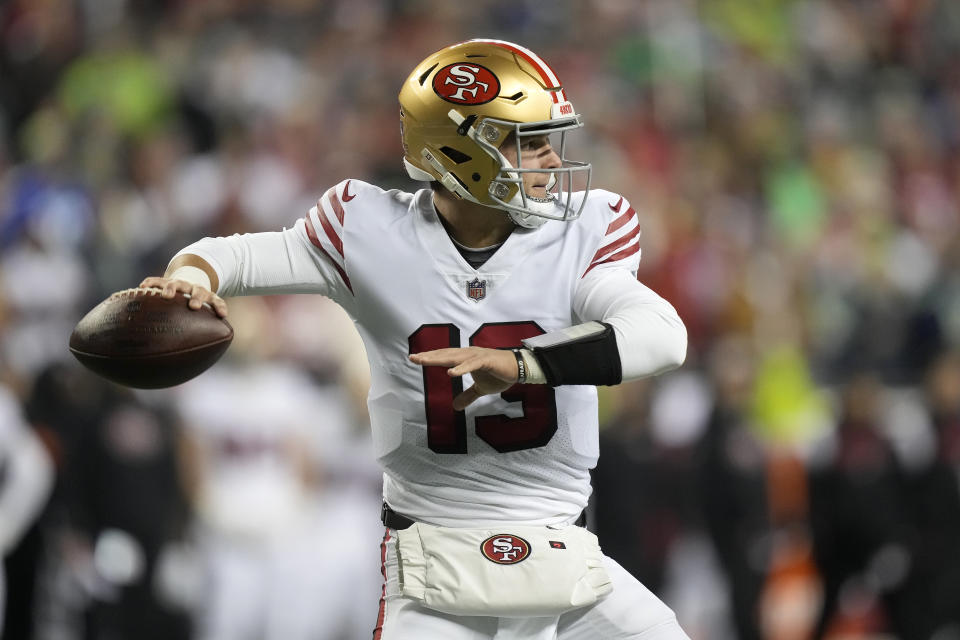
<point x="669" y="349"/>
<point x="672" y="339"/>
<point x="676" y="348"/>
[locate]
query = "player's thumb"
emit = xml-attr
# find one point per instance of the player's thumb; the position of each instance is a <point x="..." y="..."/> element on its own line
<point x="466" y="398"/>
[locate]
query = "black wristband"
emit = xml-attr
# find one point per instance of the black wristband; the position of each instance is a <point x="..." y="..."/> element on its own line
<point x="521" y="367"/>
<point x="592" y="359"/>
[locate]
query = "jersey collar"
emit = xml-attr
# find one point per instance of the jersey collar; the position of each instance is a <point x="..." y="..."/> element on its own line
<point x="515" y="249"/>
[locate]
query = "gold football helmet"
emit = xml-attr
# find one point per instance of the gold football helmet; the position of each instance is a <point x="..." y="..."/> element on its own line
<point x="459" y="106"/>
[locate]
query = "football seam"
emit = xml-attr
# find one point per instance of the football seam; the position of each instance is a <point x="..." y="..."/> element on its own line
<point x="151" y="355"/>
<point x="135" y="292"/>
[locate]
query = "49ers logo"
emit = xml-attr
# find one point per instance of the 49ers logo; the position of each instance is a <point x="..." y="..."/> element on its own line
<point x="466" y="83"/>
<point x="505" y="548"/>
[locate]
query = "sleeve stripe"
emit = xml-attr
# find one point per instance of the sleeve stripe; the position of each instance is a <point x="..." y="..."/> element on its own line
<point x="626" y="253"/>
<point x="622" y="220"/>
<point x="616" y="244"/>
<point x="315" y="241"/>
<point x="335" y="204"/>
<point x="329" y="230"/>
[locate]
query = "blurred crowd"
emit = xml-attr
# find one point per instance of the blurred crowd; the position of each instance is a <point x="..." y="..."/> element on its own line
<point x="796" y="168"/>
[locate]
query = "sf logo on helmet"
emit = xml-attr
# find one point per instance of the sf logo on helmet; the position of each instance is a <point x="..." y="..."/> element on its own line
<point x="504" y="548"/>
<point x="465" y="83"/>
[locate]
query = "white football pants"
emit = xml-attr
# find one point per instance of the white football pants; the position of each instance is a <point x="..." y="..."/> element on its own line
<point x="631" y="611"/>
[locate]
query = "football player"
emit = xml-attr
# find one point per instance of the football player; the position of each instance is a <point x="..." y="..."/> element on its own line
<point x="491" y="306"/>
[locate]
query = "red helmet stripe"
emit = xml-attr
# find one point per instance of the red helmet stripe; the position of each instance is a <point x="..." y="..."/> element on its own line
<point x="546" y="73"/>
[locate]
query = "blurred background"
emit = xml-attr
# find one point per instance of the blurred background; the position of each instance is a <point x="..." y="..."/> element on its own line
<point x="796" y="168"/>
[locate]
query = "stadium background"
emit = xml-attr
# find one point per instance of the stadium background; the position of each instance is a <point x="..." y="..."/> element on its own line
<point x="795" y="167"/>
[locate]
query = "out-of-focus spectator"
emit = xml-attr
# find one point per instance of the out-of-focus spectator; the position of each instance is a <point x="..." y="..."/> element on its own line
<point x="861" y="526"/>
<point x="26" y="476"/>
<point x="646" y="504"/>
<point x="119" y="509"/>
<point x="731" y="469"/>
<point x="639" y="519"/>
<point x="934" y="502"/>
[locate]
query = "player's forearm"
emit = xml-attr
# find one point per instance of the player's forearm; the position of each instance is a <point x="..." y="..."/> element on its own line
<point x="650" y="336"/>
<point x="651" y="339"/>
<point x="253" y="264"/>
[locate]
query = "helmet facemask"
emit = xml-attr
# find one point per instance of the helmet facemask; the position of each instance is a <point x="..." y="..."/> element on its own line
<point x="525" y="209"/>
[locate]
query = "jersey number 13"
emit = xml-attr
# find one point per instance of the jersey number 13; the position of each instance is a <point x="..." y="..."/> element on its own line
<point x="447" y="429"/>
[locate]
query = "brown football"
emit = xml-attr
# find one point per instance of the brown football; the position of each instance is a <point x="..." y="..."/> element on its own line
<point x="139" y="339"/>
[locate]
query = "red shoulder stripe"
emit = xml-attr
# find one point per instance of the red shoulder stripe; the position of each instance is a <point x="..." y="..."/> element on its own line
<point x="331" y="195"/>
<point x="315" y="241"/>
<point x="616" y="244"/>
<point x="626" y="253"/>
<point x="621" y="220"/>
<point x="328" y="229"/>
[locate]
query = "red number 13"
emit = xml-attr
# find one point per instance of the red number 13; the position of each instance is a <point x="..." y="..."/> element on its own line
<point x="447" y="429"/>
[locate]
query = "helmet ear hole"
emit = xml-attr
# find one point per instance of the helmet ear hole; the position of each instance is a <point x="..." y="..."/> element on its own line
<point x="455" y="154"/>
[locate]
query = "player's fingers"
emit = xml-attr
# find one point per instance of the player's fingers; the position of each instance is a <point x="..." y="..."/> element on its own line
<point x="219" y="306"/>
<point x="498" y="363"/>
<point x="200" y="295"/>
<point x="467" y="366"/>
<point x="466" y="398"/>
<point x="170" y="287"/>
<point x="440" y="357"/>
<point x="152" y="281"/>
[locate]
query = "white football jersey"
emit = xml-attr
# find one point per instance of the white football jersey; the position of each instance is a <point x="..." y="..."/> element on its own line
<point x="523" y="455"/>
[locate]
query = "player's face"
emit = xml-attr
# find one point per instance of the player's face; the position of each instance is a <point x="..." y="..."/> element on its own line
<point x="535" y="153"/>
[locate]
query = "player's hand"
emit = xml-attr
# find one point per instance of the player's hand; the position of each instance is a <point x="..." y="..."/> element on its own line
<point x="493" y="370"/>
<point x="198" y="294"/>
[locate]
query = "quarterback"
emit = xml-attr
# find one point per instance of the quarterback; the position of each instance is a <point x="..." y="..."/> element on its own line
<point x="491" y="305"/>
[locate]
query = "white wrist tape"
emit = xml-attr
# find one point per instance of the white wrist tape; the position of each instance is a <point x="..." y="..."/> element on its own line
<point x="193" y="275"/>
<point x="535" y="374"/>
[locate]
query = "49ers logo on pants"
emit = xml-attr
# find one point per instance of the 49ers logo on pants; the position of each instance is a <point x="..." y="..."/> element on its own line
<point x="466" y="83"/>
<point x="505" y="548"/>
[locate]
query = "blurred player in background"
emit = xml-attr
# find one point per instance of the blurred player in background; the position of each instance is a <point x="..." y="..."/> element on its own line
<point x="271" y="532"/>
<point x="490" y="305"/>
<point x="26" y="478"/>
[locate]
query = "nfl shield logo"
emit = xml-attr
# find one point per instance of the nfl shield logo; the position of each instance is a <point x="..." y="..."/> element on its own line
<point x="477" y="289"/>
